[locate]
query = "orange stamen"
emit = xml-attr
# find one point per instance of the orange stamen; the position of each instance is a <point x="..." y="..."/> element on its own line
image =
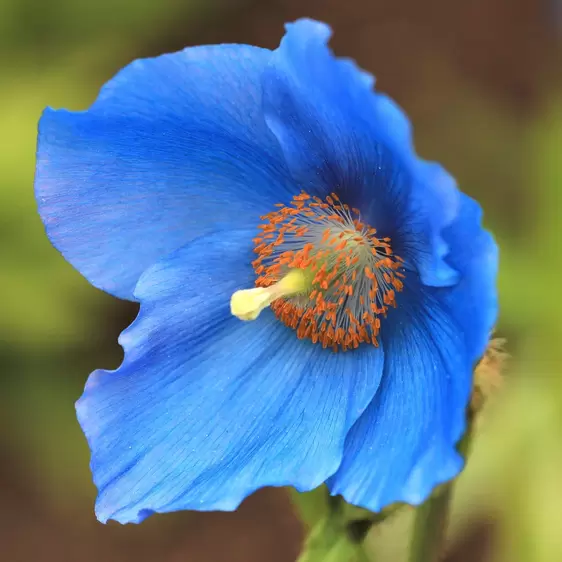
<point x="350" y="270"/>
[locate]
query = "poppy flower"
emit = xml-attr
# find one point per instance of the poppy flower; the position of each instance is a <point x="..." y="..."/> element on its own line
<point x="313" y="295"/>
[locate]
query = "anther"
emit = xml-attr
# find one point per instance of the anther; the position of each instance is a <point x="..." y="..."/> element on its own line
<point x="348" y="277"/>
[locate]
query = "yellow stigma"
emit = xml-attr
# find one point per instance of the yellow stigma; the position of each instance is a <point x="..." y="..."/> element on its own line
<point x="248" y="303"/>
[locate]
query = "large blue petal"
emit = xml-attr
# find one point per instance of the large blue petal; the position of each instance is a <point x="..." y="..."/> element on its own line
<point x="404" y="443"/>
<point x="173" y="147"/>
<point x="205" y="408"/>
<point x="338" y="135"/>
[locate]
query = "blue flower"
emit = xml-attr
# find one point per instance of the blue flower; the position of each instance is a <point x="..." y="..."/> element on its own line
<point x="229" y="183"/>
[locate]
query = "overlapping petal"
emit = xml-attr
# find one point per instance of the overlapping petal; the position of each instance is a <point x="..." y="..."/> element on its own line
<point x="404" y="443"/>
<point x="174" y="147"/>
<point x="473" y="301"/>
<point x="206" y="408"/>
<point x="338" y="135"/>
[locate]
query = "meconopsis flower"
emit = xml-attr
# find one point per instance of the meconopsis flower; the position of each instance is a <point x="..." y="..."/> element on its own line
<point x="313" y="296"/>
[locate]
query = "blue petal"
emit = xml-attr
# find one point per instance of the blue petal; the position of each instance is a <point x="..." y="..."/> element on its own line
<point x="338" y="135"/>
<point x="473" y="302"/>
<point x="173" y="147"/>
<point x="404" y="443"/>
<point x="206" y="408"/>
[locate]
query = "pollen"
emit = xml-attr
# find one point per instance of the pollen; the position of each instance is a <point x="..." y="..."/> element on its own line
<point x="349" y="276"/>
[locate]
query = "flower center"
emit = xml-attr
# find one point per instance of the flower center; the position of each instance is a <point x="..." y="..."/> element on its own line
<point x="323" y="272"/>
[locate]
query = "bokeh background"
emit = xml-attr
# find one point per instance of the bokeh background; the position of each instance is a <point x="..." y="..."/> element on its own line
<point x="482" y="82"/>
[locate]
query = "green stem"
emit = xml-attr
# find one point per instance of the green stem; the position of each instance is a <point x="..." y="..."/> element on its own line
<point x="430" y="527"/>
<point x="338" y="535"/>
<point x="432" y="518"/>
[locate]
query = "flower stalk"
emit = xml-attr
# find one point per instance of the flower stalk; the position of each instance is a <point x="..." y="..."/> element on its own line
<point x="430" y="527"/>
<point x="338" y="534"/>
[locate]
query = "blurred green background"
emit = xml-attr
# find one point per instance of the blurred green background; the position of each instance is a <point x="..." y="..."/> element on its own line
<point x="482" y="83"/>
